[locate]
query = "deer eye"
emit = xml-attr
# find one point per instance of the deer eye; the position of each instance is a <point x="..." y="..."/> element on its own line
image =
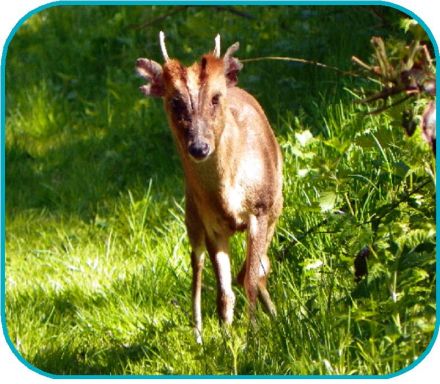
<point x="177" y="105"/>
<point x="179" y="109"/>
<point x="215" y="99"/>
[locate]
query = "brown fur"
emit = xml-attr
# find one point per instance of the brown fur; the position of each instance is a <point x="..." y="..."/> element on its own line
<point x="236" y="186"/>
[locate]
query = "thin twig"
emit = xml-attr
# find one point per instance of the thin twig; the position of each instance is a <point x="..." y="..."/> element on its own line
<point x="236" y="12"/>
<point x="303" y="61"/>
<point x="362" y="64"/>
<point x="387" y="92"/>
<point x="385" y="107"/>
<point x="148" y="23"/>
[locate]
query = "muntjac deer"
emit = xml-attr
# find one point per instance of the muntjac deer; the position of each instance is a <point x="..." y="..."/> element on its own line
<point x="233" y="170"/>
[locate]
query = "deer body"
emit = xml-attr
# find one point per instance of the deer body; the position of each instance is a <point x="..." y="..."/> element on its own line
<point x="233" y="171"/>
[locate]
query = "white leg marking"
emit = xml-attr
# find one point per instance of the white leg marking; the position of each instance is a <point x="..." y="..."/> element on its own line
<point x="197" y="294"/>
<point x="264" y="267"/>
<point x="224" y="272"/>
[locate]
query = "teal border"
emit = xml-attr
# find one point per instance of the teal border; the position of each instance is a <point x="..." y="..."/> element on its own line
<point x="193" y="3"/>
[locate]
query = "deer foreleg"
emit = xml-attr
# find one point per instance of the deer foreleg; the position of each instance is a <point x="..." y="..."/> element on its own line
<point x="197" y="259"/>
<point x="218" y="252"/>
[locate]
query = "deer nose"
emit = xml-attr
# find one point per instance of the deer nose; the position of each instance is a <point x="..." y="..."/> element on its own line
<point x="199" y="150"/>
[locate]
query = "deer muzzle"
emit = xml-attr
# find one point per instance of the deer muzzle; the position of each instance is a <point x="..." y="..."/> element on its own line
<point x="199" y="145"/>
<point x="199" y="150"/>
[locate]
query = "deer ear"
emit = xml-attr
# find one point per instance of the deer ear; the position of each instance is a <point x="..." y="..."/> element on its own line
<point x="232" y="65"/>
<point x="153" y="73"/>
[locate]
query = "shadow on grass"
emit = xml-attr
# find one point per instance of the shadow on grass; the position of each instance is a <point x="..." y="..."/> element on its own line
<point x="86" y="346"/>
<point x="86" y="361"/>
<point x="76" y="177"/>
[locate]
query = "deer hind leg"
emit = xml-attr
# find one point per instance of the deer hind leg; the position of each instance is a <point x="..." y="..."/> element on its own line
<point x="264" y="273"/>
<point x="254" y="273"/>
<point x="218" y="253"/>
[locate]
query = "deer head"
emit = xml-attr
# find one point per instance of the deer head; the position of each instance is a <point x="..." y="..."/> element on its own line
<point x="195" y="97"/>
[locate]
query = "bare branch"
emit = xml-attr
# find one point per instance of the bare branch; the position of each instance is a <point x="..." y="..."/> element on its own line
<point x="298" y="60"/>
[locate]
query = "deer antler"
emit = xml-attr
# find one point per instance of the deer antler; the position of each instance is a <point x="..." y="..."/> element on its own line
<point x="162" y="46"/>
<point x="217" y="46"/>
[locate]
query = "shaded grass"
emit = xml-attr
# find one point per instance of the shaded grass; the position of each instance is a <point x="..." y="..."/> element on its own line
<point x="97" y="267"/>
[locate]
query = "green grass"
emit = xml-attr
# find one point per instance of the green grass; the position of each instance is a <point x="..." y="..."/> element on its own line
<point x="97" y="261"/>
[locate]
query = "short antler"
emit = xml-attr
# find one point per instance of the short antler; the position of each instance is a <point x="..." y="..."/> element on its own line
<point x="217" y="46"/>
<point x="231" y="50"/>
<point x="162" y="46"/>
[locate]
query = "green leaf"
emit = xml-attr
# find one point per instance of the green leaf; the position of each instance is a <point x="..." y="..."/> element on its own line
<point x="304" y="137"/>
<point x="327" y="201"/>
<point x="340" y="145"/>
<point x="400" y="169"/>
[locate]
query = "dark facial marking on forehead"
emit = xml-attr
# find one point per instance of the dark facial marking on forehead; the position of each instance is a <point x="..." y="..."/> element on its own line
<point x="191" y="101"/>
<point x="183" y="74"/>
<point x="203" y="73"/>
